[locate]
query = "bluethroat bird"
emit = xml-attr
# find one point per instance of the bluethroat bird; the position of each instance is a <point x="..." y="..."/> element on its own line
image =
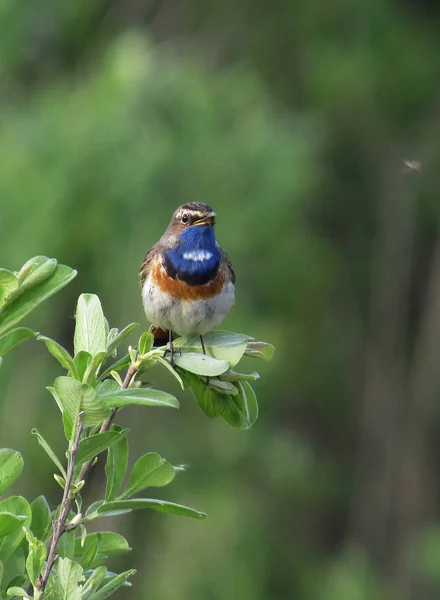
<point x="187" y="279"/>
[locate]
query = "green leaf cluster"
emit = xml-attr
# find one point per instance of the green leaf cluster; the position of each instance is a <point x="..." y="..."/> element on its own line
<point x="217" y="387"/>
<point x="88" y="395"/>
<point x="22" y="291"/>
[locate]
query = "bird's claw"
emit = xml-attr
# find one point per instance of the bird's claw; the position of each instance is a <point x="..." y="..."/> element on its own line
<point x="172" y="351"/>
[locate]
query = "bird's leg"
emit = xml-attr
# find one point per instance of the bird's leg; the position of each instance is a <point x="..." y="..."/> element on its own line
<point x="170" y="348"/>
<point x="204" y="352"/>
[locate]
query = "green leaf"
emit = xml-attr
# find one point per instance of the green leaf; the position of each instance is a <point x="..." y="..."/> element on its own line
<point x="224" y="388"/>
<point x="159" y="505"/>
<point x="242" y="410"/>
<point x="41" y="518"/>
<point x="107" y="330"/>
<point x="86" y="554"/>
<point x="222" y="345"/>
<point x="233" y="376"/>
<point x="17" y="591"/>
<point x="66" y="545"/>
<point x="27" y="268"/>
<point x="18" y="506"/>
<point x="260" y="350"/>
<point x="16" y="310"/>
<point x="94" y="507"/>
<point x="9" y="523"/>
<point x="115" y="583"/>
<point x="36" y="557"/>
<point x="56" y="398"/>
<point x="186" y="378"/>
<point x="68" y="578"/>
<point x="93" y="582"/>
<point x="93" y="445"/>
<point x="82" y="360"/>
<point x="49" y="452"/>
<point x="151" y="470"/>
<point x="8" y="285"/>
<point x="122" y="363"/>
<point x="143" y="362"/>
<point x="67" y="425"/>
<point x="200" y="364"/>
<point x="233" y="415"/>
<point x="98" y="547"/>
<point x="250" y="403"/>
<point x="141" y="397"/>
<point x="14" y="337"/>
<point x="111" y="543"/>
<point x="209" y="402"/>
<point x="90" y="330"/>
<point x="14" y="569"/>
<point x="83" y="535"/>
<point x="146" y="342"/>
<point x="17" y="565"/>
<point x="116" y="465"/>
<point x="93" y="367"/>
<point x="76" y="397"/>
<point x="108" y="386"/>
<point x="35" y="271"/>
<point x="173" y="371"/>
<point x="111" y="336"/>
<point x="114" y="343"/>
<point x="92" y="511"/>
<point x="11" y="466"/>
<point x="60" y="480"/>
<point x="1" y="572"/>
<point x="116" y="376"/>
<point x="61" y="354"/>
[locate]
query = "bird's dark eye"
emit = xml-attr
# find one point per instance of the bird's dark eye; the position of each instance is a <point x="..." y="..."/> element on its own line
<point x="184" y="218"/>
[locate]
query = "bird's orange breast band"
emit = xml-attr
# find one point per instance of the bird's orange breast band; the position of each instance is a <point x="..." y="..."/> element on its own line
<point x="183" y="291"/>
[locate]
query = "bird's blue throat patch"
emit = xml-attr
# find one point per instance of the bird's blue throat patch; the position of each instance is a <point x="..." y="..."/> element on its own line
<point x="196" y="258"/>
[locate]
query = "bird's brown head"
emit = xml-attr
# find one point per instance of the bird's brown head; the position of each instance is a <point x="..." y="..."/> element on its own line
<point x="189" y="215"/>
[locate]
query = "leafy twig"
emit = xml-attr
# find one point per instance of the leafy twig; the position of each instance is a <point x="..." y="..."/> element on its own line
<point x="107" y="423"/>
<point x="59" y="525"/>
<point x="66" y="503"/>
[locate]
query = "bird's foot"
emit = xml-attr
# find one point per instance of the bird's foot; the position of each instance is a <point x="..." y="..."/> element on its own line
<point x="172" y="352"/>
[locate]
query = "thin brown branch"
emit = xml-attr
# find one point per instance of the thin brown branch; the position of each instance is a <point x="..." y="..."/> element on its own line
<point x="59" y="525"/>
<point x="66" y="503"/>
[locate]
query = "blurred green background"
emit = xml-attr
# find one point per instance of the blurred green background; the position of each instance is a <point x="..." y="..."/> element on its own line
<point x="313" y="130"/>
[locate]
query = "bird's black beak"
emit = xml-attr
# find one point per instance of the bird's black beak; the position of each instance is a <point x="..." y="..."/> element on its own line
<point x="209" y="219"/>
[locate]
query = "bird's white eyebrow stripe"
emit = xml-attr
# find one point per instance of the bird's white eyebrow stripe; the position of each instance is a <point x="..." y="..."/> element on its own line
<point x="196" y="214"/>
<point x="197" y="255"/>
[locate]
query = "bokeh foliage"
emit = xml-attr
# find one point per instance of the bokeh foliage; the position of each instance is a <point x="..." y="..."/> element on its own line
<point x="293" y="120"/>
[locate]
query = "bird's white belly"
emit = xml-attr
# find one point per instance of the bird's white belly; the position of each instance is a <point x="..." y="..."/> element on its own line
<point x="186" y="316"/>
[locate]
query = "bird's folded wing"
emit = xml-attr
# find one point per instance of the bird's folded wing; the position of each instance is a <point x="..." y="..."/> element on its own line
<point x="147" y="265"/>
<point x="228" y="264"/>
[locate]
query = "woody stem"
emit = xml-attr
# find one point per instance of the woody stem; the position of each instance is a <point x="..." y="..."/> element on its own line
<point x="59" y="525"/>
